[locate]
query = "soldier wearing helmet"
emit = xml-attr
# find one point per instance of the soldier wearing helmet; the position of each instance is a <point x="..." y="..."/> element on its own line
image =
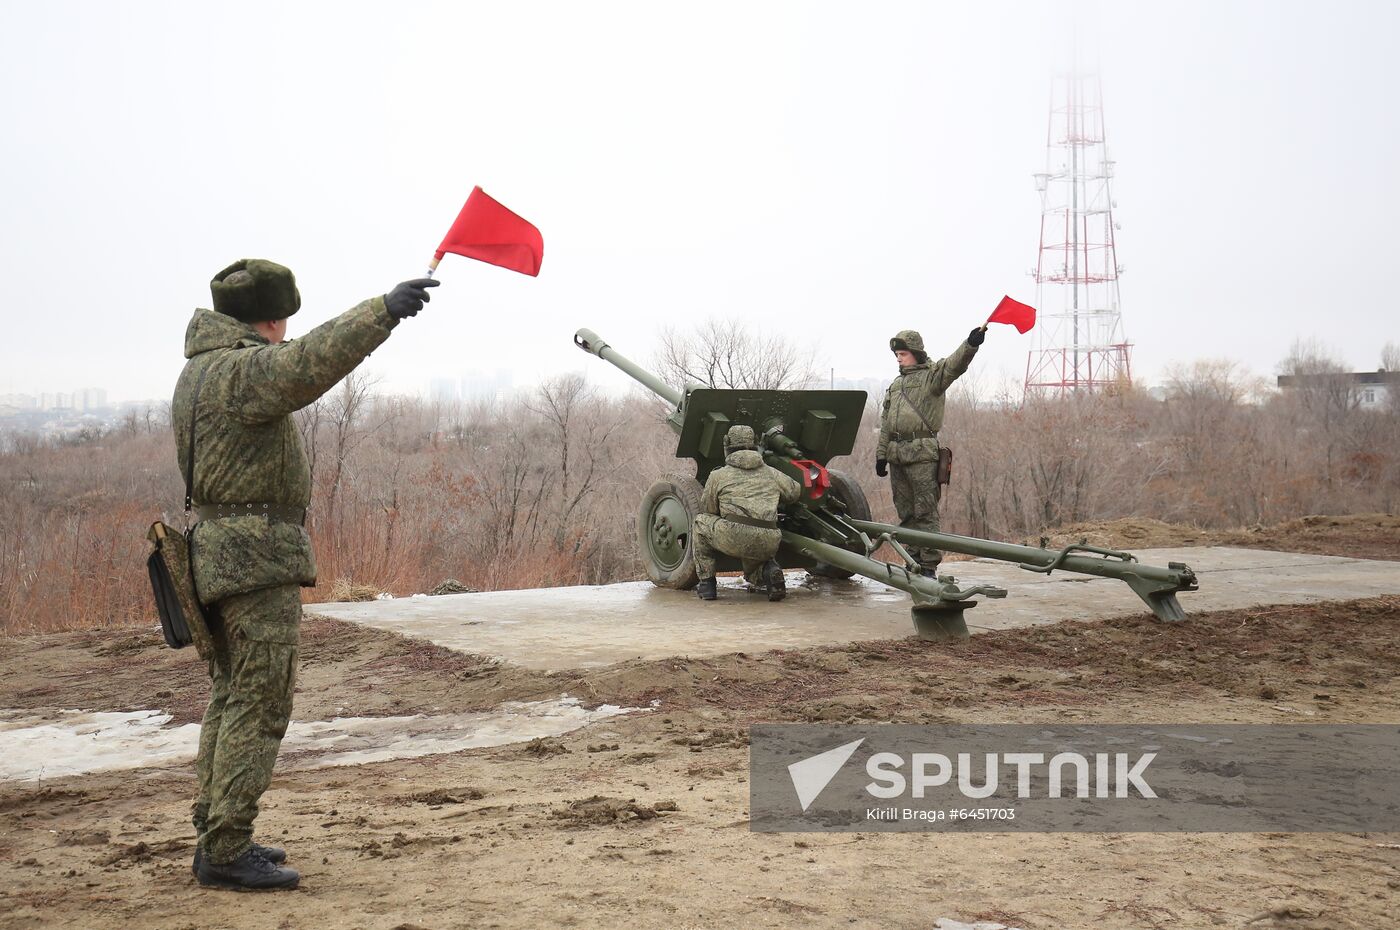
<point x="909" y="425"/>
<point x="739" y="517"/>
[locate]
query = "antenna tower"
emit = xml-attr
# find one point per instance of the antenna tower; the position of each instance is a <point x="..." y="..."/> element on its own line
<point x="1081" y="344"/>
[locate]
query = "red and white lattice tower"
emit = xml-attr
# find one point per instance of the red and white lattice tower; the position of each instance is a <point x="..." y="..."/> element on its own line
<point x="1081" y="344"/>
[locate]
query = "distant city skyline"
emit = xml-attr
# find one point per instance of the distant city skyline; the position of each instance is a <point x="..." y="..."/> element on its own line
<point x="87" y="398"/>
<point x="472" y="385"/>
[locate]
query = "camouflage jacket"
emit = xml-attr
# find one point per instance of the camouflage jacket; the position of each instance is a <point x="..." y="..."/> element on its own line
<point x="746" y="487"/>
<point x="919" y="389"/>
<point x="247" y="449"/>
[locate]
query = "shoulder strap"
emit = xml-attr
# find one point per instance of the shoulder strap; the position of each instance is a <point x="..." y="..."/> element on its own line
<point x="911" y="403"/>
<point x="189" y="459"/>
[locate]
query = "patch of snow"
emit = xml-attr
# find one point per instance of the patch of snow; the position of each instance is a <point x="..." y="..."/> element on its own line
<point x="360" y="740"/>
<point x="82" y="742"/>
<point x="78" y="742"/>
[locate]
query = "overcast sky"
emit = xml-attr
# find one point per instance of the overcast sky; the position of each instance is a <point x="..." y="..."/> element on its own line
<point x="837" y="170"/>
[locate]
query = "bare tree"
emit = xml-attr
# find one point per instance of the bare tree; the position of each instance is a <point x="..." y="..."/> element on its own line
<point x="1212" y="380"/>
<point x="1202" y="401"/>
<point x="308" y="420"/>
<point x="343" y="411"/>
<point x="1327" y="396"/>
<point x="582" y="432"/>
<point x="1208" y="424"/>
<point x="1390" y="357"/>
<point x="728" y="354"/>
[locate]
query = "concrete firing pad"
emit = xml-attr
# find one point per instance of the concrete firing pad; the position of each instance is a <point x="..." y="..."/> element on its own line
<point x="591" y="626"/>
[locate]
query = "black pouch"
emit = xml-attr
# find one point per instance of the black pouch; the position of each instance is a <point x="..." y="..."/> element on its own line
<point x="945" y="465"/>
<point x="182" y="621"/>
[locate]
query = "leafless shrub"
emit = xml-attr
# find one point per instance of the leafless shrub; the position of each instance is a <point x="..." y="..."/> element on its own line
<point x="343" y="589"/>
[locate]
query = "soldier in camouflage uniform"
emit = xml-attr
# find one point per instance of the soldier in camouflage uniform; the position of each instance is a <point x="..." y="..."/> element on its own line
<point x="909" y="425"/>
<point x="739" y="517"/>
<point x="251" y="552"/>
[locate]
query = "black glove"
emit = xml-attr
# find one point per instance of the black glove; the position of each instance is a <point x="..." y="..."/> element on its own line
<point x="975" y="337"/>
<point x="881" y="468"/>
<point x="408" y="298"/>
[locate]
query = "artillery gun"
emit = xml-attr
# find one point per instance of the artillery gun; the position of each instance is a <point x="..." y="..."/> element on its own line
<point x="828" y="531"/>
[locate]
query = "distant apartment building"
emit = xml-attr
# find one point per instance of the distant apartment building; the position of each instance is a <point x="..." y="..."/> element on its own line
<point x="19" y="401"/>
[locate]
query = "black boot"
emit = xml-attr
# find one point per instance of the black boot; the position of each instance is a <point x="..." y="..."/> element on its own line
<point x="252" y="871"/>
<point x="777" y="581"/>
<point x="706" y="589"/>
<point x="270" y="853"/>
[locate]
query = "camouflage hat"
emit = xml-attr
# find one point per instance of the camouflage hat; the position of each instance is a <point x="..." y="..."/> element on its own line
<point x="738" y="437"/>
<point x="255" y="290"/>
<point x="907" y="339"/>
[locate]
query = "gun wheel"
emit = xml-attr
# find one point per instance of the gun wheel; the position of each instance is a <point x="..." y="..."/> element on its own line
<point x="663" y="531"/>
<point x="844" y="489"/>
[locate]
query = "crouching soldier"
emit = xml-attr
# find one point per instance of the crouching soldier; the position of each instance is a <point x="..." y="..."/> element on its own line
<point x="739" y="517"/>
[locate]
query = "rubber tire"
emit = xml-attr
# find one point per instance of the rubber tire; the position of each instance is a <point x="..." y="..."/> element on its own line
<point x="844" y="489"/>
<point x="685" y="491"/>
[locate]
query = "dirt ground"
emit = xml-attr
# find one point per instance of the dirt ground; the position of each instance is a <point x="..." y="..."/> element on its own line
<point x="640" y="821"/>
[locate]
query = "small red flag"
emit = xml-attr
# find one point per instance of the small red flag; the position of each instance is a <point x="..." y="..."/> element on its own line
<point x="488" y="232"/>
<point x="1014" y="313"/>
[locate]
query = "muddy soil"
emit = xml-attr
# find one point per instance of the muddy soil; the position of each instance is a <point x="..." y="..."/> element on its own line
<point x="641" y="821"/>
<point x="345" y="671"/>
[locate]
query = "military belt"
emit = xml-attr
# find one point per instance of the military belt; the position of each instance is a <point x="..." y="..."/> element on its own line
<point x="913" y="434"/>
<point x="751" y="521"/>
<point x="275" y="513"/>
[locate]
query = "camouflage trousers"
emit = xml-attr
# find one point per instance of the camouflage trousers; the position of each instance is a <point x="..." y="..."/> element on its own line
<point x="712" y="536"/>
<point x="254" y="674"/>
<point x="916" y="494"/>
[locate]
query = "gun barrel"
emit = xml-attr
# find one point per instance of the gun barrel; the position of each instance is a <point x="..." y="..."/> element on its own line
<point x="589" y="341"/>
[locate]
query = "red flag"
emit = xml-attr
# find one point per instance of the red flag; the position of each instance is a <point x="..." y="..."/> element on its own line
<point x="1014" y="313"/>
<point x="488" y="232"/>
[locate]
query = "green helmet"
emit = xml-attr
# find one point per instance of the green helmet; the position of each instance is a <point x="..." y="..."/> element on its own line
<point x="738" y="437"/>
<point x="255" y="290"/>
